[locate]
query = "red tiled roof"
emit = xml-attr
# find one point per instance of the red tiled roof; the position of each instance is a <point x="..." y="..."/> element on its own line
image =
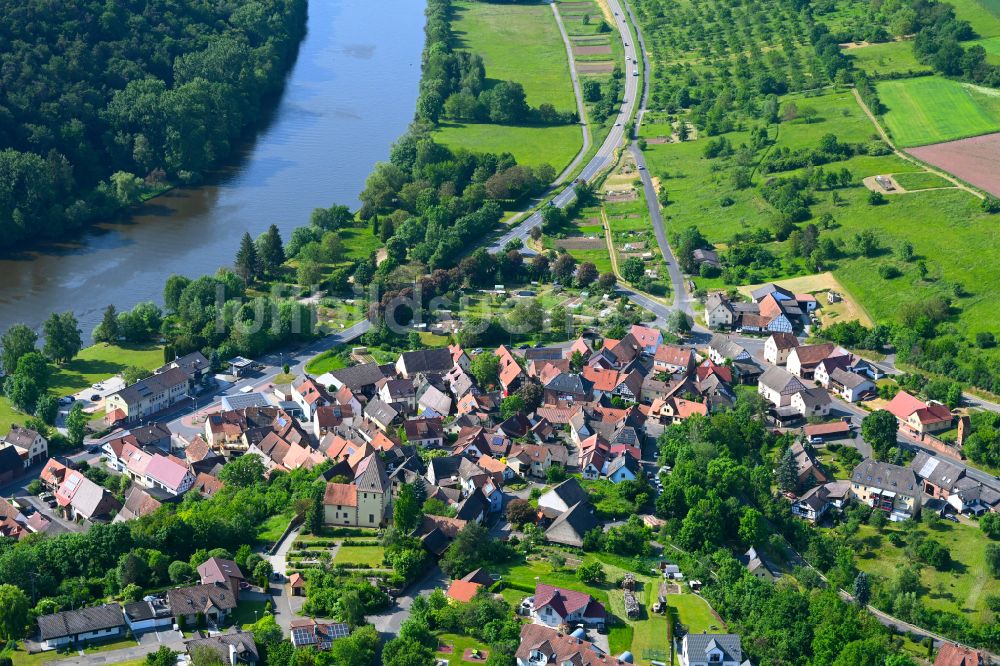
<point x="464" y="591"/>
<point x="341" y="494"/>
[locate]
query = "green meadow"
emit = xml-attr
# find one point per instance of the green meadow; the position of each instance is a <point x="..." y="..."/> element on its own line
<point x="932" y="109"/>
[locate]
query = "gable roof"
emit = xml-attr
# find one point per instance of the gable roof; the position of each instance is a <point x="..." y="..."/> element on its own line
<point x="199" y="599"/>
<point x="955" y="655"/>
<point x="152" y="385"/>
<point x="565" y="602"/>
<point x="580" y="518"/>
<point x="427" y="360"/>
<point x="780" y="380"/>
<point x="72" y="622"/>
<point x="784" y="340"/>
<point x="813" y="354"/>
<point x="700" y="645"/>
<point x="219" y="570"/>
<point x="561" y="648"/>
<point x="886" y="476"/>
<point x="370" y="474"/>
<point x="340" y="494"/>
<point x="359" y="376"/>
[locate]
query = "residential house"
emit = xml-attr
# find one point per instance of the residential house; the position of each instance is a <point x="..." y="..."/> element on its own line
<point x="565" y="388"/>
<point x="850" y="386"/>
<point x="212" y="601"/>
<point x="536" y="459"/>
<point x="82" y="499"/>
<point x="432" y="401"/>
<point x="623" y="468"/>
<point x="543" y="646"/>
<point x="138" y="503"/>
<point x="918" y="417"/>
<point x="706" y="257"/>
<point x="11" y="464"/>
<point x="151" y="613"/>
<point x="562" y="497"/>
<point x="890" y="488"/>
<point x="674" y="360"/>
<point x="759" y="566"/>
<point x="711" y="650"/>
<point x="815" y="502"/>
<point x="778" y="347"/>
<point x="462" y="591"/>
<point x="649" y="339"/>
<point x="572" y="526"/>
<point x="721" y="349"/>
<point x="319" y="634"/>
<point x="233" y="649"/>
<point x="219" y="571"/>
<point x="719" y="312"/>
<point x="148" y="396"/>
<point x="459" y="358"/>
<point x="30" y="446"/>
<point x="400" y="393"/>
<point x="777" y="386"/>
<point x="510" y="372"/>
<point x="950" y="654"/>
<point x="811" y="403"/>
<point x="195" y="365"/>
<point x="802" y="360"/>
<point x="807" y="469"/>
<point x="78" y="627"/>
<point x="826" y="367"/>
<point x="945" y="480"/>
<point x="309" y="395"/>
<point x="434" y="361"/>
<point x="381" y="413"/>
<point x="425" y="432"/>
<point x="558" y="607"/>
<point x="359" y="379"/>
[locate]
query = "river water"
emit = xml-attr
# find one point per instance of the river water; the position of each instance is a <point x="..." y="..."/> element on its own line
<point x="350" y="94"/>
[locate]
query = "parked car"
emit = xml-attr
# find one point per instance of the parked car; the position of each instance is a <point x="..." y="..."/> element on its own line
<point x="94" y="397"/>
<point x="951" y="517"/>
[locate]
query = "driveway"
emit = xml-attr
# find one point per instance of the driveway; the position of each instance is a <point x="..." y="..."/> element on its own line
<point x="149" y="642"/>
<point x="388" y="623"/>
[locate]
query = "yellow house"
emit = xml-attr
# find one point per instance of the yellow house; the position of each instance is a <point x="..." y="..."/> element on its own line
<point x="363" y="503"/>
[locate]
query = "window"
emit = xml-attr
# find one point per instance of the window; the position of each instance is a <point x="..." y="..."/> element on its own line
<point x="371" y="517"/>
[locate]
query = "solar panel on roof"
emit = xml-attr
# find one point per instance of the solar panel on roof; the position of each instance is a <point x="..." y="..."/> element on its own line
<point x="339" y="630"/>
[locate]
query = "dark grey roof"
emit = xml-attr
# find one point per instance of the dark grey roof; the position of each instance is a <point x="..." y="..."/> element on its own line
<point x="246" y="648"/>
<point x="726" y="347"/>
<point x="626" y="461"/>
<point x="370" y="474"/>
<point x="780" y="379"/>
<point x="886" y="476"/>
<point x="139" y="610"/>
<point x="571" y="492"/>
<point x="580" y="517"/>
<point x="151" y="433"/>
<point x="427" y="360"/>
<point x="699" y="645"/>
<point x="847" y="378"/>
<point x="472" y="507"/>
<point x="190" y="363"/>
<point x="543" y="354"/>
<point x="358" y="376"/>
<point x="565" y="382"/>
<point x="445" y="466"/>
<point x="73" y="622"/>
<point x="153" y="385"/>
<point x="198" y="599"/>
<point x="380" y="411"/>
<point x="770" y="288"/>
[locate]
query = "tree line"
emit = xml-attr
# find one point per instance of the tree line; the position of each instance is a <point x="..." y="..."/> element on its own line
<point x="92" y="93"/>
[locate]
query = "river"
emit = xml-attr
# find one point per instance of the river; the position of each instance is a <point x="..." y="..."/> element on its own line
<point x="350" y="94"/>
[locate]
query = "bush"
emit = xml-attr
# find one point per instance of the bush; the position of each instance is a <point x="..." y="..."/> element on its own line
<point x="592" y="573"/>
<point x="888" y="271"/>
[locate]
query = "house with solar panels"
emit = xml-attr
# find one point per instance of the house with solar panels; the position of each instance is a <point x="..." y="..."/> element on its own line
<point x="308" y="632"/>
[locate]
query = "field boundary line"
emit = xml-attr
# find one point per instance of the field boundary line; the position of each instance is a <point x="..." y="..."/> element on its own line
<point x="909" y="158"/>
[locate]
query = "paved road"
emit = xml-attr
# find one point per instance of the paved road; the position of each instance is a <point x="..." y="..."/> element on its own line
<point x="606" y="153"/>
<point x="580" y="110"/>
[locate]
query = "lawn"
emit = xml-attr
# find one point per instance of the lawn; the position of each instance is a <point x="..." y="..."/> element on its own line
<point x="328" y="361"/>
<point x="530" y="145"/>
<point x="100" y="361"/>
<point x="359" y="242"/>
<point x="271" y="529"/>
<point x="460" y="643"/>
<point x="962" y="588"/>
<point x="518" y="42"/>
<point x="919" y="180"/>
<point x="933" y="109"/>
<point x="246" y="613"/>
<point x="887" y="58"/>
<point x="368" y="555"/>
<point x="645" y="636"/>
<point x="694" y="613"/>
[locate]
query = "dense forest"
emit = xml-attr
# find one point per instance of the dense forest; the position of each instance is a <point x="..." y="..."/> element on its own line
<point x="99" y="100"/>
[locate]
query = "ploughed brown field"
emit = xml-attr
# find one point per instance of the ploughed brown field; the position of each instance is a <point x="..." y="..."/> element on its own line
<point x="597" y="49"/>
<point x="975" y="160"/>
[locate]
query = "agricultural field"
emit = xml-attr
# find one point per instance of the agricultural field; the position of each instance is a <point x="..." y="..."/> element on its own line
<point x="519" y="43"/>
<point x="945" y="226"/>
<point x="920" y="180"/>
<point x="982" y="15"/>
<point x="531" y="146"/>
<point x="933" y="109"/>
<point x="974" y="160"/>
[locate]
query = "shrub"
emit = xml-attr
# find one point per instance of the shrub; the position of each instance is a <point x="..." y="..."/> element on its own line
<point x="888" y="271"/>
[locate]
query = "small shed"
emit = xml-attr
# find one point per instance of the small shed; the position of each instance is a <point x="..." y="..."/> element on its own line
<point x="297" y="585"/>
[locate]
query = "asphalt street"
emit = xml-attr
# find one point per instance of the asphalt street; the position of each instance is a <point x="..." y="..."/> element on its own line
<point x="605" y="154"/>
